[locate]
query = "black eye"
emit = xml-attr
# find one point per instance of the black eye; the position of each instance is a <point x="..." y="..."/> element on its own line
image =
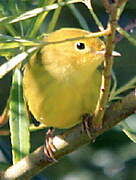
<point x="80" y="45"/>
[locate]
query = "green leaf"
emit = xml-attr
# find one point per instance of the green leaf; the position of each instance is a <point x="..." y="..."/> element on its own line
<point x="53" y="22"/>
<point x="18" y="119"/>
<point x="34" y="12"/>
<point x="39" y="20"/>
<point x="8" y="52"/>
<point x="7" y="42"/>
<point x="79" y="17"/>
<point x="13" y="62"/>
<point x="130" y="132"/>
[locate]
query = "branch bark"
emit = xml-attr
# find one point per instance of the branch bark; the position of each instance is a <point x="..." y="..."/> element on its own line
<point x="69" y="141"/>
<point x="114" y="11"/>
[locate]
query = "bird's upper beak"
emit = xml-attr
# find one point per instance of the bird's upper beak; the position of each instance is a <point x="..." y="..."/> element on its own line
<point x="114" y="53"/>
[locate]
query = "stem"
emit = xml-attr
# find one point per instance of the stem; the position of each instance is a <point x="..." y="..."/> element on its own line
<point x="99" y="24"/>
<point x="126" y="35"/>
<point x="106" y="76"/>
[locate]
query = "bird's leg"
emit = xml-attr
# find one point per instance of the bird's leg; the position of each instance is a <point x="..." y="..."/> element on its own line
<point x="87" y="125"/>
<point x="49" y="147"/>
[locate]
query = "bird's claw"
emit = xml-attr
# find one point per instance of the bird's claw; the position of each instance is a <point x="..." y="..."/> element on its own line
<point x="49" y="147"/>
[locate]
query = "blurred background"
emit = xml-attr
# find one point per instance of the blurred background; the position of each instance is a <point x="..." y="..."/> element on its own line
<point x="113" y="155"/>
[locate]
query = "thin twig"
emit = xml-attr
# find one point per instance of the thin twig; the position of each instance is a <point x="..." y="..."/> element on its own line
<point x="89" y="6"/>
<point x="8" y="66"/>
<point x="128" y="28"/>
<point x="105" y="32"/>
<point x="129" y="85"/>
<point x="106" y="76"/>
<point x="126" y="35"/>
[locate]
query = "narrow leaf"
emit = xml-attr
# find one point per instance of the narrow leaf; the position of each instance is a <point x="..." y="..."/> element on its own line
<point x="18" y="120"/>
<point x="7" y="42"/>
<point x="79" y="17"/>
<point x="13" y="62"/>
<point x="35" y="12"/>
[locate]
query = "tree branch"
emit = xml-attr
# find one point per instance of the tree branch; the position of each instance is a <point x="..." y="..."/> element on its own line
<point x="114" y="14"/>
<point x="70" y="141"/>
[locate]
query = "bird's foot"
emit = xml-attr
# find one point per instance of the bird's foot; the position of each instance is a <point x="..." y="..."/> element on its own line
<point x="87" y="126"/>
<point x="49" y="147"/>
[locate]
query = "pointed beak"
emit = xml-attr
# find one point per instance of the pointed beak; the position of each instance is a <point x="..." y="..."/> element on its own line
<point x="114" y="53"/>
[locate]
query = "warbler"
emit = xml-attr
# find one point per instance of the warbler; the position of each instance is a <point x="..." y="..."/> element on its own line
<point x="62" y="80"/>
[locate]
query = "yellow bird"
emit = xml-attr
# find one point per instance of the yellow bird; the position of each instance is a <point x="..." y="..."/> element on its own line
<point x="62" y="80"/>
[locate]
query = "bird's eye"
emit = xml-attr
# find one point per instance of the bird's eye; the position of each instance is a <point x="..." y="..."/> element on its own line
<point x="80" y="45"/>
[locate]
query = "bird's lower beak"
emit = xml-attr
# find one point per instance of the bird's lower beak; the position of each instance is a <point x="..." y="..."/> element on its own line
<point x="114" y="53"/>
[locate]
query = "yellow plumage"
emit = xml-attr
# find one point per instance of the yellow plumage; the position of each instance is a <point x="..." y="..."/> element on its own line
<point x="62" y="80"/>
